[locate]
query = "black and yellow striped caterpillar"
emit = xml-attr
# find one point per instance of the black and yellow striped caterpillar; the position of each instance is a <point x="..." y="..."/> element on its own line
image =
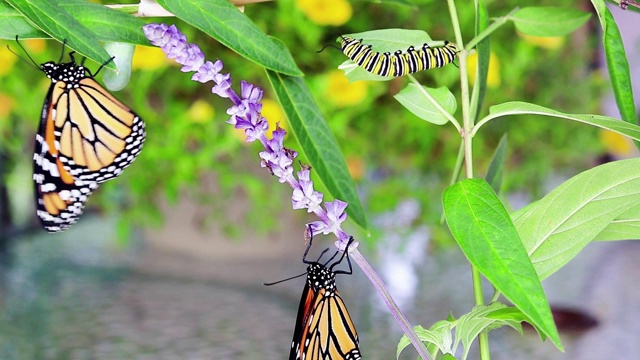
<point x="399" y="63"/>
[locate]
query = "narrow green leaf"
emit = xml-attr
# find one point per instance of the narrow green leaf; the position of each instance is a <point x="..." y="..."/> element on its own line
<point x="522" y="108"/>
<point x="484" y="54"/>
<point x="14" y="23"/>
<point x="438" y="338"/>
<point x="412" y="98"/>
<point x="47" y="16"/>
<point x="618" y="69"/>
<point x="625" y="227"/>
<point x="557" y="227"/>
<point x="225" y="23"/>
<point x="548" y="21"/>
<point x="316" y="140"/>
<point x="496" y="166"/>
<point x="486" y="235"/>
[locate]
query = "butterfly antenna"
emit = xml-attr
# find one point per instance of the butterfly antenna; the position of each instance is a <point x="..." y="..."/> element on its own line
<point x="283" y="280"/>
<point x="26" y="53"/>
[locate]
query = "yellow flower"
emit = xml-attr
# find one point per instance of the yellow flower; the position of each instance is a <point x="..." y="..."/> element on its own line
<point x="617" y="145"/>
<point x="326" y="12"/>
<point x="356" y="167"/>
<point x="6" y="105"/>
<point x="149" y="58"/>
<point x="34" y="45"/>
<point x="200" y="112"/>
<point x="493" y="75"/>
<point x="272" y="111"/>
<point x="8" y="59"/>
<point x="341" y="92"/>
<point x="546" y="42"/>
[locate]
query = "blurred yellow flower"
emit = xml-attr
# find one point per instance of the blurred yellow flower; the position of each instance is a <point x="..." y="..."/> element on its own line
<point x="617" y="145"/>
<point x="356" y="167"/>
<point x="8" y="59"/>
<point x="6" y="105"/>
<point x="200" y="112"/>
<point x="149" y="58"/>
<point x="546" y="42"/>
<point x="272" y="111"/>
<point x="326" y="12"/>
<point x="341" y="92"/>
<point x="493" y="76"/>
<point x="35" y="45"/>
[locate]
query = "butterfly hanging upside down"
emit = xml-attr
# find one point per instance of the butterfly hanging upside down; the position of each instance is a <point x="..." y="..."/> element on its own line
<point x="85" y="137"/>
<point x="324" y="330"/>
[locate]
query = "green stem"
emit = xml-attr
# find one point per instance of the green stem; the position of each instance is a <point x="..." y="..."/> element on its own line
<point x="467" y="127"/>
<point x="491" y="28"/>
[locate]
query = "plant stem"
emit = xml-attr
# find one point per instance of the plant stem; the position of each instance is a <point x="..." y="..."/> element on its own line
<point x="405" y="325"/>
<point x="467" y="128"/>
<point x="491" y="28"/>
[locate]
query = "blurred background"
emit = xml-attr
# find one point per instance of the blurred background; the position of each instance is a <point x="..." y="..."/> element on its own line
<point x="169" y="259"/>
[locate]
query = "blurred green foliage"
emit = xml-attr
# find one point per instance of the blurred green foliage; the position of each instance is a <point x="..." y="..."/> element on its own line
<point x="402" y="156"/>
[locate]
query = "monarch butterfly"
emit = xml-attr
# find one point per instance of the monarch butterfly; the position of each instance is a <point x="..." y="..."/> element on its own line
<point x="324" y="329"/>
<point x="399" y="63"/>
<point x="85" y="137"/>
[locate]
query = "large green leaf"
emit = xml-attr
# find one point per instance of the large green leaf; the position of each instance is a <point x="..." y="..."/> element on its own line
<point x="557" y="227"/>
<point x="55" y="21"/>
<point x="549" y="21"/>
<point x="317" y="141"/>
<point x="484" y="231"/>
<point x="225" y="23"/>
<point x="523" y="108"/>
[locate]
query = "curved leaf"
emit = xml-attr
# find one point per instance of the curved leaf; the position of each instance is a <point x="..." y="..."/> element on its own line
<point x="523" y="108"/>
<point x="316" y="140"/>
<point x="222" y="21"/>
<point x="412" y="98"/>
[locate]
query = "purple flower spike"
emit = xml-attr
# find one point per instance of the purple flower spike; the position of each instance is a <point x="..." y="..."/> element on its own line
<point x="245" y="114"/>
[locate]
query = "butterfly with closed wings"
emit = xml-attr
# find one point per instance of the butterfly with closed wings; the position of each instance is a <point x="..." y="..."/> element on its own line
<point x="85" y="137"/>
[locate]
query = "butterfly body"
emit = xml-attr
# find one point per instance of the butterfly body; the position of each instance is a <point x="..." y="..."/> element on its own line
<point x="85" y="137"/>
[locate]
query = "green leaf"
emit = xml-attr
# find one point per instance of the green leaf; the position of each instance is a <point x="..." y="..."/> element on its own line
<point x="47" y="16"/>
<point x="618" y="66"/>
<point x="13" y="23"/>
<point x="556" y="228"/>
<point x="106" y="23"/>
<point x="225" y="23"/>
<point x="486" y="235"/>
<point x="625" y="227"/>
<point x="549" y="21"/>
<point x="522" y="108"/>
<point x="438" y="338"/>
<point x="470" y="325"/>
<point x="496" y="166"/>
<point x="317" y="141"/>
<point x="414" y="99"/>
<point x="484" y="54"/>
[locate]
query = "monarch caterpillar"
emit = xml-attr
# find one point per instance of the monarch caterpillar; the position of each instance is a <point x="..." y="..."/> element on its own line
<point x="324" y="329"/>
<point x="85" y="137"/>
<point x="399" y="63"/>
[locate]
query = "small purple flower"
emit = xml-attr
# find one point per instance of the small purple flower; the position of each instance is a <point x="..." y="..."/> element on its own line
<point x="208" y="71"/>
<point x="192" y="58"/>
<point x="304" y="196"/>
